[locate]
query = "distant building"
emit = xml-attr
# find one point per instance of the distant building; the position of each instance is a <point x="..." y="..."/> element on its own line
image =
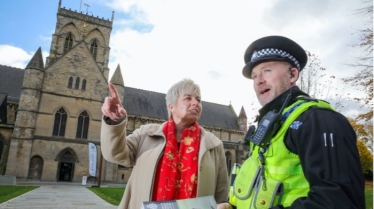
<point x="49" y="113"/>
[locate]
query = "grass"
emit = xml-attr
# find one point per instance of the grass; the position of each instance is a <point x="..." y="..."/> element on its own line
<point x="369" y="198"/>
<point x="369" y="194"/>
<point x="10" y="192"/>
<point x="111" y="195"/>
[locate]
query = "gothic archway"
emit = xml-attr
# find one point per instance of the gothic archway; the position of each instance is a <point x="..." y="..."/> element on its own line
<point x="66" y="164"/>
<point x="36" y="167"/>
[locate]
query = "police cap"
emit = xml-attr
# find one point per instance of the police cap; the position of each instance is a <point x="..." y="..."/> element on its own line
<point x="274" y="48"/>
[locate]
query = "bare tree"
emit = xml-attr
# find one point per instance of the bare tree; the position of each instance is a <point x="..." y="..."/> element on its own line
<point x="313" y="81"/>
<point x="310" y="77"/>
<point x="363" y="79"/>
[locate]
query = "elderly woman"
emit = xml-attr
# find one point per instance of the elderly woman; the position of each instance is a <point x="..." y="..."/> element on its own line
<point x="174" y="160"/>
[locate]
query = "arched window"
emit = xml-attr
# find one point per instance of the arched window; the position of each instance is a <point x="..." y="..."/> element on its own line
<point x="68" y="43"/>
<point x="70" y="84"/>
<point x="228" y="161"/>
<point x="93" y="49"/>
<point x="84" y="84"/>
<point x="60" y="123"/>
<point x="83" y="123"/>
<point x="77" y="83"/>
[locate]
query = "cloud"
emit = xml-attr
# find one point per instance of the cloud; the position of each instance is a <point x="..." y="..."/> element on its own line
<point x="21" y="59"/>
<point x="206" y="40"/>
<point x="214" y="74"/>
<point x="7" y="57"/>
<point x="350" y="108"/>
<point x="326" y="28"/>
<point x="160" y="42"/>
<point x="185" y="42"/>
<point x="45" y="38"/>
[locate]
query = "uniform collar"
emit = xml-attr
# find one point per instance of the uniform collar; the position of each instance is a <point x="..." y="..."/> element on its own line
<point x="277" y="103"/>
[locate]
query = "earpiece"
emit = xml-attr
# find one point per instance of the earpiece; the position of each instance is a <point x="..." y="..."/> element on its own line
<point x="291" y="73"/>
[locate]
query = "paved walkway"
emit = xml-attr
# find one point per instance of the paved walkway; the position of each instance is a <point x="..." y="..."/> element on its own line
<point x="58" y="197"/>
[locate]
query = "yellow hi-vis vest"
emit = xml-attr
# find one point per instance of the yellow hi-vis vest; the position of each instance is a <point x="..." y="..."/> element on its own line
<point x="281" y="180"/>
<point x="234" y="172"/>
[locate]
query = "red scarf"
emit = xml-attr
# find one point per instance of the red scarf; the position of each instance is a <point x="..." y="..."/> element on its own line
<point x="176" y="175"/>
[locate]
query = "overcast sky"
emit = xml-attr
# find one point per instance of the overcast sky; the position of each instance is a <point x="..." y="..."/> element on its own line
<point x="159" y="42"/>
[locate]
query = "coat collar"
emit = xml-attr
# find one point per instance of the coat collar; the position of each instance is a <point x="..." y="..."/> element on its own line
<point x="277" y="103"/>
<point x="207" y="142"/>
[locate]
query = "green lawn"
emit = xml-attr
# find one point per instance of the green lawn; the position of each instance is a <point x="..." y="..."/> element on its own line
<point x="369" y="198"/>
<point x="111" y="195"/>
<point x="10" y="192"/>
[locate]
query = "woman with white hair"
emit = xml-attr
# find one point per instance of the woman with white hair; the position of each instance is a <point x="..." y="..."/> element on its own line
<point x="174" y="160"/>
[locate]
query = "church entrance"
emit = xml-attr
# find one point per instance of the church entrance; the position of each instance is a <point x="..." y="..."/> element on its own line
<point x="66" y="167"/>
<point x="65" y="172"/>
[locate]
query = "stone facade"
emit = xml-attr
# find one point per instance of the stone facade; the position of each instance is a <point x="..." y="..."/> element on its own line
<point x="69" y="91"/>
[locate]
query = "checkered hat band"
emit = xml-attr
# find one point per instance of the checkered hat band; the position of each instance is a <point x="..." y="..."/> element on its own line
<point x="268" y="52"/>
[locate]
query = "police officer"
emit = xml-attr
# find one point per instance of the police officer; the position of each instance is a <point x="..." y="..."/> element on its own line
<point x="303" y="154"/>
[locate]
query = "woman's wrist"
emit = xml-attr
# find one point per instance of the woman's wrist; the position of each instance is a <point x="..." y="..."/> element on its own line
<point x="109" y="121"/>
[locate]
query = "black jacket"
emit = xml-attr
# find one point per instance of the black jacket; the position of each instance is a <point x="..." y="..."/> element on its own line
<point x="326" y="145"/>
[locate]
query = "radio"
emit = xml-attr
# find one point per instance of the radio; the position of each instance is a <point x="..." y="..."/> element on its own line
<point x="268" y="126"/>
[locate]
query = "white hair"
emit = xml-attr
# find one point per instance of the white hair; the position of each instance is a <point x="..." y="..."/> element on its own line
<point x="185" y="86"/>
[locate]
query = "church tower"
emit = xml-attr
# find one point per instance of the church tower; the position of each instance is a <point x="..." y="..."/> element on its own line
<point x="243" y="120"/>
<point x="72" y="28"/>
<point x="23" y="133"/>
<point x="60" y="104"/>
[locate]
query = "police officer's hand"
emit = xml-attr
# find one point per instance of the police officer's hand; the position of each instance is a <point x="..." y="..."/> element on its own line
<point x="224" y="206"/>
<point x="112" y="107"/>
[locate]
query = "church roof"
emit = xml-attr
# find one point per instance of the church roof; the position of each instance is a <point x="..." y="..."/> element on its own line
<point x="11" y="81"/>
<point x="145" y="103"/>
<point x="136" y="101"/>
<point x="152" y="104"/>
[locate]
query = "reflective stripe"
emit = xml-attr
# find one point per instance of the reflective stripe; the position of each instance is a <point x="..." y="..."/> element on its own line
<point x="281" y="165"/>
<point x="284" y="170"/>
<point x="296" y="184"/>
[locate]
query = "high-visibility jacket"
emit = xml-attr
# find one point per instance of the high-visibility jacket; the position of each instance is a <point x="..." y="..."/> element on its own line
<point x="280" y="180"/>
<point x="234" y="172"/>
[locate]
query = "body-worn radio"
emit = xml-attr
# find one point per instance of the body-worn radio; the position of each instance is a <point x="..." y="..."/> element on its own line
<point x="268" y="126"/>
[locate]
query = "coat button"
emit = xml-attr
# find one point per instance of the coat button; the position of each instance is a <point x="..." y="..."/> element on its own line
<point x="239" y="190"/>
<point x="262" y="202"/>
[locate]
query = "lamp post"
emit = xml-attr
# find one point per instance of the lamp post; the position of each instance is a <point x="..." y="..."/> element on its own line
<point x="100" y="168"/>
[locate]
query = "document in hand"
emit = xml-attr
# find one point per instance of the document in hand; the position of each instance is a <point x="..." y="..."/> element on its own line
<point x="207" y="202"/>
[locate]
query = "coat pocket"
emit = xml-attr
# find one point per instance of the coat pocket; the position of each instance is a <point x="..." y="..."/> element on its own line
<point x="269" y="193"/>
<point x="246" y="179"/>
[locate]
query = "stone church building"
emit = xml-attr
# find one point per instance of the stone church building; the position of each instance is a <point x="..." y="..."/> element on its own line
<point x="50" y="112"/>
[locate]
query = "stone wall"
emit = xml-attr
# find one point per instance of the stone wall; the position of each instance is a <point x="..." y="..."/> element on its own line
<point x="12" y="108"/>
<point x="7" y="180"/>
